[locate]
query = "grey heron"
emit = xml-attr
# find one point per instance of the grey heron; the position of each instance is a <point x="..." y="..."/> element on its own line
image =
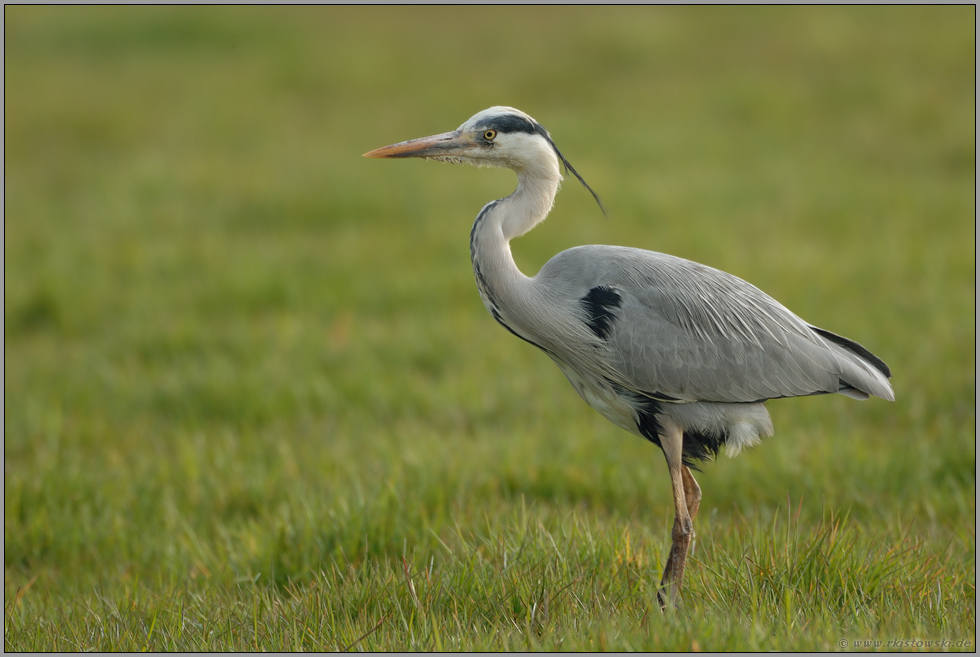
<point x="676" y="352"/>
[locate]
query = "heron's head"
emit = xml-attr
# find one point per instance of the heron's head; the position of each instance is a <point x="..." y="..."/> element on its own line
<point x="495" y="137"/>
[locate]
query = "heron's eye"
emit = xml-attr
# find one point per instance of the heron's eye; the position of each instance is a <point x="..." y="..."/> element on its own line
<point x="489" y="135"/>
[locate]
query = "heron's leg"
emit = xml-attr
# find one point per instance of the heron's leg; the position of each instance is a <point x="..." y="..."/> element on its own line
<point x="692" y="492"/>
<point x="681" y="481"/>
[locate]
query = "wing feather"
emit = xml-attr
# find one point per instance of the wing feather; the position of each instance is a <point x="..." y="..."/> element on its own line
<point x="696" y="333"/>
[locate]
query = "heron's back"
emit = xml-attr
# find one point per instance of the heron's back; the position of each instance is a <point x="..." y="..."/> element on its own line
<point x="680" y="330"/>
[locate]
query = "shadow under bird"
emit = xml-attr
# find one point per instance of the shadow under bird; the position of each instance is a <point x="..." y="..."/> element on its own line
<point x="679" y="353"/>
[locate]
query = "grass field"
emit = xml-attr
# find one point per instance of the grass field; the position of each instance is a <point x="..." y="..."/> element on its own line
<point x="252" y="399"/>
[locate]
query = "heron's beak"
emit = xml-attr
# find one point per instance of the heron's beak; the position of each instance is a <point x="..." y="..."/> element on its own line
<point x="446" y="145"/>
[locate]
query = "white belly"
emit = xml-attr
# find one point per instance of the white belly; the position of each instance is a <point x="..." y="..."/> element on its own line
<point x="741" y="425"/>
<point x="603" y="398"/>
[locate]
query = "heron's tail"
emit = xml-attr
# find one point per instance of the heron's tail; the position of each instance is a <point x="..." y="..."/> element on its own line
<point x="863" y="373"/>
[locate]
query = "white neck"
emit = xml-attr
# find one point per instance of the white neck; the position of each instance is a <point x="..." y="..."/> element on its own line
<point x="505" y="290"/>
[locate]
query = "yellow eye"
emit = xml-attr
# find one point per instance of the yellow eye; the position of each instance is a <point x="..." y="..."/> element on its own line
<point x="489" y="135"/>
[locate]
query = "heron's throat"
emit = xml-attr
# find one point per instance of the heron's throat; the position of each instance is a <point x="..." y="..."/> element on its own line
<point x="530" y="203"/>
<point x="502" y="220"/>
<point x="501" y="283"/>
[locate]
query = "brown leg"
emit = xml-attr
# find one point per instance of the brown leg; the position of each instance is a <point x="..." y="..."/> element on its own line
<point x="687" y="498"/>
<point x="692" y="492"/>
<point x="692" y="496"/>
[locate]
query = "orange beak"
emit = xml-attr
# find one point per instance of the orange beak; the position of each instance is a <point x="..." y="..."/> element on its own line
<point x="448" y="144"/>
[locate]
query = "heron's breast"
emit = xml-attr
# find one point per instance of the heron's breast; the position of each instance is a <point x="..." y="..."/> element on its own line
<point x="601" y="395"/>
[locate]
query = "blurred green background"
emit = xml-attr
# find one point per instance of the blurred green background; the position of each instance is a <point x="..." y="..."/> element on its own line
<point x="230" y="341"/>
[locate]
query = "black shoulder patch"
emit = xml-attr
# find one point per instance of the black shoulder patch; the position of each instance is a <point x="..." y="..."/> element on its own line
<point x="509" y="123"/>
<point x="599" y="304"/>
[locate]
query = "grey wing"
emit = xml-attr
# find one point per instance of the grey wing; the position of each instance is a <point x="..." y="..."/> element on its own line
<point x="693" y="333"/>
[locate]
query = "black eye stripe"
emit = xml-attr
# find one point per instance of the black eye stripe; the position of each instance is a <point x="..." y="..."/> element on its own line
<point x="508" y="123"/>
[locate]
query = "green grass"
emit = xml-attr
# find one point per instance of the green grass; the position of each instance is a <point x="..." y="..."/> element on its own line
<point x="252" y="399"/>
